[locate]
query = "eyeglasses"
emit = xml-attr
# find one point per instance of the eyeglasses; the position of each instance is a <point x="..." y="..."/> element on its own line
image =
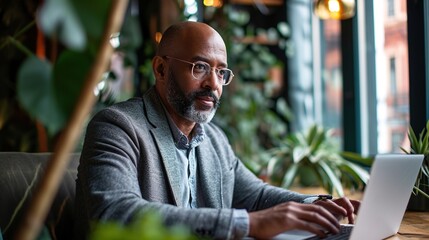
<point x="201" y="70"/>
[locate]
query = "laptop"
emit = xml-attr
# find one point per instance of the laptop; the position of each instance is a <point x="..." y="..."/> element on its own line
<point x="384" y="200"/>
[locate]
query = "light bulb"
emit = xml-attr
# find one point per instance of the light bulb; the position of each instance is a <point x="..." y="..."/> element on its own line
<point x="334" y="9"/>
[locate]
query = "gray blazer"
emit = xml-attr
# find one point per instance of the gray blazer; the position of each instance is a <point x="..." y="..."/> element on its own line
<point x="128" y="164"/>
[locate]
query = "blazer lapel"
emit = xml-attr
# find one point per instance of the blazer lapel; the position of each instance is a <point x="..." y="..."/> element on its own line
<point x="164" y="141"/>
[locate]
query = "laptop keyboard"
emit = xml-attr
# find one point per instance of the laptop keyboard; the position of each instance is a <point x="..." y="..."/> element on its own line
<point x="345" y="231"/>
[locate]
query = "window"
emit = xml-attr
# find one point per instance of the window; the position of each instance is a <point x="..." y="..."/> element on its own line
<point x="383" y="90"/>
<point x="392" y="76"/>
<point x="331" y="77"/>
<point x="390" y="8"/>
<point x="392" y="79"/>
<point x="377" y="117"/>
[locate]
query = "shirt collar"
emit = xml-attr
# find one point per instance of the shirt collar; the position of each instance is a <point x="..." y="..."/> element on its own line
<point x="180" y="139"/>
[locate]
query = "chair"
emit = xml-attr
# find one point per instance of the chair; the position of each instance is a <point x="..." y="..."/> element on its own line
<point x="20" y="173"/>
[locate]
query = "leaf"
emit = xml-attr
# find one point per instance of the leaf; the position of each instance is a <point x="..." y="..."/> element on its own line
<point x="333" y="178"/>
<point x="299" y="139"/>
<point x="299" y="153"/>
<point x="357" y="158"/>
<point x="319" y="138"/>
<point x="312" y="132"/>
<point x="69" y="76"/>
<point x="405" y="150"/>
<point x="44" y="234"/>
<point x="355" y="171"/>
<point x="283" y="109"/>
<point x="59" y="17"/>
<point x="425" y="170"/>
<point x="36" y="94"/>
<point x="284" y="29"/>
<point x="93" y="15"/>
<point x="271" y="166"/>
<point x="418" y="190"/>
<point x="290" y="176"/>
<point x="424" y="142"/>
<point x="413" y="141"/>
<point x="325" y="182"/>
<point x="148" y="226"/>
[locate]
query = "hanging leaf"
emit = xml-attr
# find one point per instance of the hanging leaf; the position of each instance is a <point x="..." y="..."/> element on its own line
<point x="59" y="17"/>
<point x="36" y="94"/>
<point x="93" y="15"/>
<point x="68" y="81"/>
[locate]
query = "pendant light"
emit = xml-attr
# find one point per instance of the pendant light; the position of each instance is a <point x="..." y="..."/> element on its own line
<point x="334" y="9"/>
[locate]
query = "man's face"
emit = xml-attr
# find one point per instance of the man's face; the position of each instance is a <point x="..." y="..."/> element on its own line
<point x="197" y="105"/>
<point x="190" y="93"/>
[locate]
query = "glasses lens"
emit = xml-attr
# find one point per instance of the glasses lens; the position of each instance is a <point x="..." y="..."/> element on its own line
<point x="225" y="75"/>
<point x="200" y="70"/>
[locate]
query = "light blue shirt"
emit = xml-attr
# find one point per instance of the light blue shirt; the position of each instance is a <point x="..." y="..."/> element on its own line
<point x="185" y="152"/>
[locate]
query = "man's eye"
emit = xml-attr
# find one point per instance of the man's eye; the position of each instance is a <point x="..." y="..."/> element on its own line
<point x="222" y="72"/>
<point x="201" y="67"/>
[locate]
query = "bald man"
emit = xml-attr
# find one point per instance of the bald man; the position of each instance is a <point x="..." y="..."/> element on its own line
<point x="162" y="152"/>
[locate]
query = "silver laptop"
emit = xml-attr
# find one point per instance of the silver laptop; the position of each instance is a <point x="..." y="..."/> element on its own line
<point x="384" y="201"/>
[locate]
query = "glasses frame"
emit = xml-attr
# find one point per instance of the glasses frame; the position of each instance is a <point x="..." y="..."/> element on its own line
<point x="224" y="83"/>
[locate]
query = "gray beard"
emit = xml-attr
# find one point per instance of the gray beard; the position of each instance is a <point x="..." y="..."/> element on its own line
<point x="184" y="104"/>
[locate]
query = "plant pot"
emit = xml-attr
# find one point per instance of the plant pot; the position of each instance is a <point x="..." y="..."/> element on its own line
<point x="419" y="202"/>
<point x="307" y="177"/>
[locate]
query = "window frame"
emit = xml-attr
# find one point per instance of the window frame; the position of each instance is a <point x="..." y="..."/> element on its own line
<point x="418" y="30"/>
<point x="359" y="64"/>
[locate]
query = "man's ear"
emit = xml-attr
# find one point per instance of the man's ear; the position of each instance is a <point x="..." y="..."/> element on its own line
<point x="158" y="66"/>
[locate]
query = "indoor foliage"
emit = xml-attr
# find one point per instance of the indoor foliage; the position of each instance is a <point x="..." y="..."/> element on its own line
<point x="420" y="145"/>
<point x="47" y="67"/>
<point x="250" y="114"/>
<point x="312" y="157"/>
<point x="148" y="226"/>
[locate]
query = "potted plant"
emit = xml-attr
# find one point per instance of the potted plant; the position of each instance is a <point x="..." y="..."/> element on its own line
<point x="312" y="157"/>
<point x="419" y="200"/>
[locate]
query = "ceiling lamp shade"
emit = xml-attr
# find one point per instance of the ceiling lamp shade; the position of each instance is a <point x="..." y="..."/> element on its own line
<point x="213" y="3"/>
<point x="334" y="9"/>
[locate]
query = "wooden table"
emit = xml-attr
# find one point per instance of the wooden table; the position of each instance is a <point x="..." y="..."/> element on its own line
<point x="415" y="225"/>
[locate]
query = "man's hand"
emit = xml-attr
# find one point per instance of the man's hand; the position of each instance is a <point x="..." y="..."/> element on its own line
<point x="314" y="218"/>
<point x="341" y="207"/>
<point x="320" y="218"/>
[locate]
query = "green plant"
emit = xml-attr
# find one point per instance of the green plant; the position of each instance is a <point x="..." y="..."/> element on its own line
<point x="420" y="146"/>
<point x="251" y="116"/>
<point x="314" y="155"/>
<point x="248" y="46"/>
<point x="253" y="123"/>
<point x="46" y="89"/>
<point x="147" y="226"/>
<point x="43" y="76"/>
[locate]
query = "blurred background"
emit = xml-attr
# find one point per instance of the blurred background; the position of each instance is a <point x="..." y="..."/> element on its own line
<point x="362" y="79"/>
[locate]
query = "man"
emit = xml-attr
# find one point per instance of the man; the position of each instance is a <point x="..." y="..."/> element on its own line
<point x="161" y="152"/>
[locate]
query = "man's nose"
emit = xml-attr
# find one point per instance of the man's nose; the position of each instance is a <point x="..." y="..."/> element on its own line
<point x="212" y="80"/>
